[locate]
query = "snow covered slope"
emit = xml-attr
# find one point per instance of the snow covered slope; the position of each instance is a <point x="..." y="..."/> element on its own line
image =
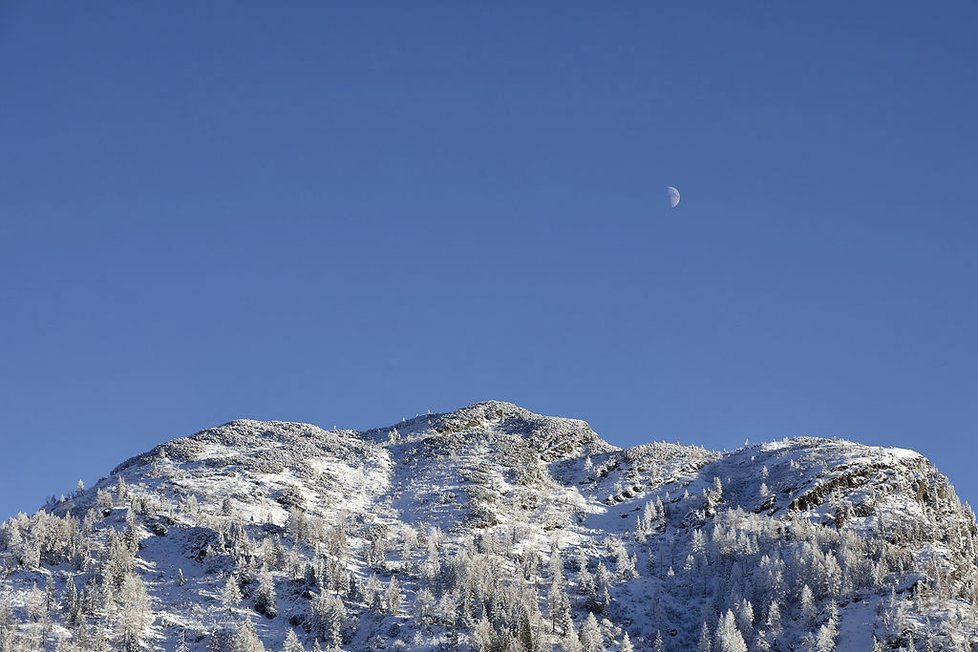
<point x="493" y="528"/>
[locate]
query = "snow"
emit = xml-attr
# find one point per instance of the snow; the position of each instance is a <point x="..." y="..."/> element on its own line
<point x="505" y="486"/>
<point x="856" y="626"/>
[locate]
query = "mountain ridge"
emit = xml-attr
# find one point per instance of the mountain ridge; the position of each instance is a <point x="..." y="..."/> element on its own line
<point x="499" y="529"/>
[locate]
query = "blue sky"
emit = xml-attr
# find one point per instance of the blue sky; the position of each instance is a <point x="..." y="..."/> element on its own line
<point x="349" y="213"/>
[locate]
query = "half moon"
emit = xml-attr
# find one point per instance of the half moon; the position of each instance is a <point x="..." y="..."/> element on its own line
<point x="673" y="196"/>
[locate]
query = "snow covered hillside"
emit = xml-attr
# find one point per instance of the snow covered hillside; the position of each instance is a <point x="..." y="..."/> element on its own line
<point x="493" y="528"/>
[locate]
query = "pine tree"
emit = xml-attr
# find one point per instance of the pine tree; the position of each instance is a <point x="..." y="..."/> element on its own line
<point x="524" y="630"/>
<point x="231" y="594"/>
<point x="132" y="614"/>
<point x="71" y="604"/>
<point x="192" y="505"/>
<point x="337" y="620"/>
<point x="371" y="590"/>
<point x="626" y="644"/>
<point x="482" y="636"/>
<point x="745" y="618"/>
<point x="292" y="643"/>
<point x="101" y="642"/>
<point x="591" y="639"/>
<point x="625" y="566"/>
<point x="641" y="531"/>
<point x="602" y="582"/>
<point x="773" y="621"/>
<point x="118" y="562"/>
<point x="807" y="605"/>
<point x="216" y="640"/>
<point x="121" y="489"/>
<point x="265" y="595"/>
<point x="558" y="606"/>
<point x="392" y="596"/>
<point x="246" y="638"/>
<point x="825" y="638"/>
<point x="705" y="642"/>
<point x="328" y="617"/>
<point x="658" y="645"/>
<point x="585" y="584"/>
<point x="8" y="627"/>
<point x="556" y="564"/>
<point x="182" y="641"/>
<point x="447" y="609"/>
<point x="49" y="592"/>
<point x="431" y="567"/>
<point x="89" y="596"/>
<point x="728" y="637"/>
<point x="571" y="641"/>
<point x="424" y="605"/>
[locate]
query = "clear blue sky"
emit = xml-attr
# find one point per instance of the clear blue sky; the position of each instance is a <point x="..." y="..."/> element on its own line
<point x="349" y="213"/>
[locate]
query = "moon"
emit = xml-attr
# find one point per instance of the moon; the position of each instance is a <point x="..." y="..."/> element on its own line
<point x="673" y="196"/>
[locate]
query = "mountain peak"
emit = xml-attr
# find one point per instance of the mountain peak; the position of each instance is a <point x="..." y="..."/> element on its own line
<point x="550" y="436"/>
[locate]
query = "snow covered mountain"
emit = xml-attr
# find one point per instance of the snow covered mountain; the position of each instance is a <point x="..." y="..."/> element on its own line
<point x="493" y="528"/>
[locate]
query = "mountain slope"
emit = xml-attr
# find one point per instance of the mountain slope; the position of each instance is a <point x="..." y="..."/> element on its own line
<point x="493" y="528"/>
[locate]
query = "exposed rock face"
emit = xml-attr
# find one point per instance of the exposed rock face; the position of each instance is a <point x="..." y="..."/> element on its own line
<point x="492" y="527"/>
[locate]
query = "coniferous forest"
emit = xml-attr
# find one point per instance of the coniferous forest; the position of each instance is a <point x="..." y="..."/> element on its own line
<point x="493" y="529"/>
